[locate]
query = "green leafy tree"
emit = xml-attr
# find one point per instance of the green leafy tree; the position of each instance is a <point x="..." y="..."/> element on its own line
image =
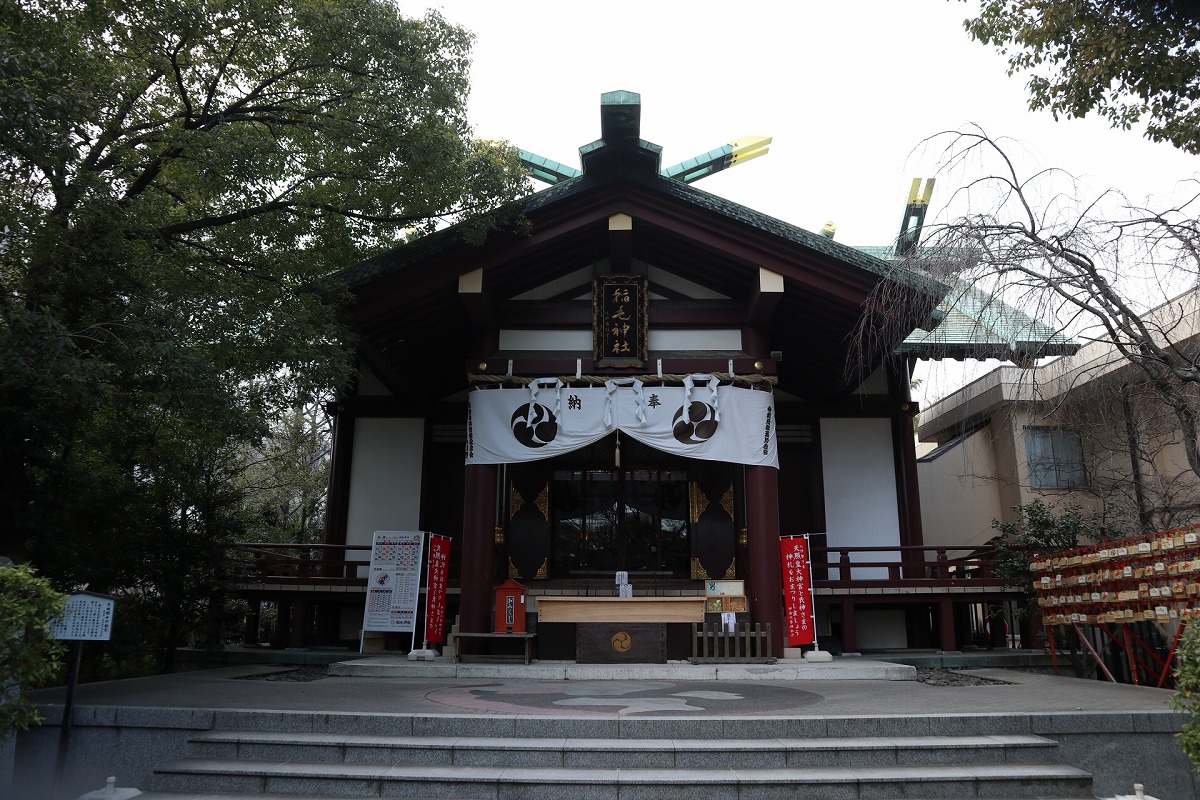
<point x="1041" y="529"/>
<point x="1187" y="691"/>
<point x="177" y="179"/>
<point x="1038" y="529"/>
<point x="285" y="478"/>
<point x="1123" y="59"/>
<point x="29" y="655"/>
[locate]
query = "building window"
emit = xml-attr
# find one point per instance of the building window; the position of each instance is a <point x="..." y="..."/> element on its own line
<point x="1055" y="457"/>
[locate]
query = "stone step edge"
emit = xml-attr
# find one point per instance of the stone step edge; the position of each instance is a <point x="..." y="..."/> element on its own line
<point x="623" y="745"/>
<point x="190" y="795"/>
<point x="583" y="775"/>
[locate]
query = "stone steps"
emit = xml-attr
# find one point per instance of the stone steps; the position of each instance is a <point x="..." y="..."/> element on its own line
<point x="262" y="764"/>
<point x="537" y="783"/>
<point x="624" y="753"/>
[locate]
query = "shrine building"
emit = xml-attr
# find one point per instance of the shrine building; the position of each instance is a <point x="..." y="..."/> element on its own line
<point x="649" y="379"/>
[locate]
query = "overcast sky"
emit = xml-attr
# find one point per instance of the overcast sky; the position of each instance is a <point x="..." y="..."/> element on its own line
<point x="848" y="90"/>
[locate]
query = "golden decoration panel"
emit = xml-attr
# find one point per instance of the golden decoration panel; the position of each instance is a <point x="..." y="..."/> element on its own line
<point x="543" y="502"/>
<point x="515" y="501"/>
<point x="727" y="501"/>
<point x="697" y="501"/>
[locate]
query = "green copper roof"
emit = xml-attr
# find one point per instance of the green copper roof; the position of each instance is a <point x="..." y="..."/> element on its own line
<point x="978" y="325"/>
<point x="971" y="323"/>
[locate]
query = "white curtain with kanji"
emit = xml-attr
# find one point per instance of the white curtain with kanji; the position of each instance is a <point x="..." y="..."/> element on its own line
<point x="700" y="419"/>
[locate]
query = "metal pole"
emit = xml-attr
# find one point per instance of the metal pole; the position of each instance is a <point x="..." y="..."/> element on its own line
<point x="64" y="730"/>
<point x="812" y="600"/>
<point x="412" y="645"/>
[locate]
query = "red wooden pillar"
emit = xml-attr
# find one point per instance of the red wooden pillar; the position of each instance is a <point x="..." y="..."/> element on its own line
<point x="299" y="619"/>
<point x="479" y="527"/>
<point x="764" y="577"/>
<point x="946" y="613"/>
<point x="849" y="631"/>
<point x="338" y="498"/>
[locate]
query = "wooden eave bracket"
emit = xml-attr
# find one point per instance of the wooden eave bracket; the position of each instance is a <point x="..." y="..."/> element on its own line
<point x="475" y="300"/>
<point x="765" y="298"/>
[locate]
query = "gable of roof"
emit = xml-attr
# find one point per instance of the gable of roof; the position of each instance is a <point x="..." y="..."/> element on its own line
<point x="415" y="335"/>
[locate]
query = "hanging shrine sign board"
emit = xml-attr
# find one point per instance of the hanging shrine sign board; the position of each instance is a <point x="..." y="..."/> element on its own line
<point x="797" y="591"/>
<point x="435" y="592"/>
<point x="620" y="327"/>
<point x="394" y="581"/>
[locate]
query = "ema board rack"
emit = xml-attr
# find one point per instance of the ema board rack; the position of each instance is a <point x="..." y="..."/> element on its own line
<point x="1153" y="578"/>
<point x="725" y="597"/>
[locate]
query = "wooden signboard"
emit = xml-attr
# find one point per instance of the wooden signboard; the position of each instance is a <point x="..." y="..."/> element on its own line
<point x="621" y="609"/>
<point x="620" y="324"/>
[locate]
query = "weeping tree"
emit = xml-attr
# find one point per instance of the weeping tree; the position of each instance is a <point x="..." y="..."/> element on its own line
<point x="177" y="179"/>
<point x="1120" y="278"/>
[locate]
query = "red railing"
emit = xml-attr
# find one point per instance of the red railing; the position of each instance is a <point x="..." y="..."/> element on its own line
<point x="924" y="565"/>
<point x="300" y="564"/>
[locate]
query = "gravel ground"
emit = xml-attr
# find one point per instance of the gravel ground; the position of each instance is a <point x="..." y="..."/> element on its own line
<point x="297" y="675"/>
<point x="954" y="677"/>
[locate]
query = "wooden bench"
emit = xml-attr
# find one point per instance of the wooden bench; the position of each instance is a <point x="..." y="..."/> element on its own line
<point x="713" y="645"/>
<point x="526" y="638"/>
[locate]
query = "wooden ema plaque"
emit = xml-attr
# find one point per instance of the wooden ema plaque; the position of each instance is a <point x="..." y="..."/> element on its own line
<point x="1145" y="579"/>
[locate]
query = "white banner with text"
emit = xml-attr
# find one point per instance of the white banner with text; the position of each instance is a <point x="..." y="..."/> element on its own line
<point x="698" y="420"/>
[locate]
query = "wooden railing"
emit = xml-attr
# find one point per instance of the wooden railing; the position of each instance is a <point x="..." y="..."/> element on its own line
<point x="300" y="564"/>
<point x="715" y="644"/>
<point x="925" y="565"/>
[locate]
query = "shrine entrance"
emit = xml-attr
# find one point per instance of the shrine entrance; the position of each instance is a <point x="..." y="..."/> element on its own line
<point x="606" y="520"/>
<point x="657" y="515"/>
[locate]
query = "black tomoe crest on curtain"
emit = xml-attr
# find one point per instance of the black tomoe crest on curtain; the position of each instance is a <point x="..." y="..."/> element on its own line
<point x="694" y="424"/>
<point x="534" y="425"/>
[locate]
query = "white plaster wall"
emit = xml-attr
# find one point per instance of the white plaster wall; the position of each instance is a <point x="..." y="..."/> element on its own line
<point x="860" y="488"/>
<point x="385" y="477"/>
<point x="960" y="493"/>
<point x="665" y="340"/>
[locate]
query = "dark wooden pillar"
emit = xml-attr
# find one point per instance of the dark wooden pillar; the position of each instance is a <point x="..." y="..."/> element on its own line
<point x="949" y="640"/>
<point x="849" y="630"/>
<point x="337" y="503"/>
<point x="908" y="493"/>
<point x="478" y="546"/>
<point x="253" y="618"/>
<point x="904" y="453"/>
<point x="299" y="623"/>
<point x="763" y="574"/>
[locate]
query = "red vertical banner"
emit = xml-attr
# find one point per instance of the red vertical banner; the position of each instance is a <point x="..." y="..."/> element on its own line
<point x="435" y="589"/>
<point x="797" y="590"/>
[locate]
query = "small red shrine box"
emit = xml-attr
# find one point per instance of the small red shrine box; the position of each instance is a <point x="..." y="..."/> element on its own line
<point x="510" y="608"/>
